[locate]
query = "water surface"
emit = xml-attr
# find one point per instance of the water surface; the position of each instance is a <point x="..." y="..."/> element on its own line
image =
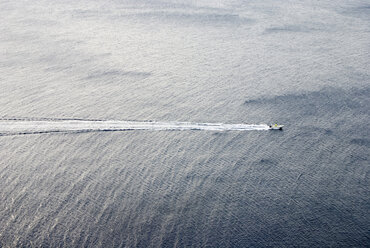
<point x="303" y="64"/>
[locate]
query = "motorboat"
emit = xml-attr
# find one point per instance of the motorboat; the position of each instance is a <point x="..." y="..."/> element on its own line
<point x="276" y="127"/>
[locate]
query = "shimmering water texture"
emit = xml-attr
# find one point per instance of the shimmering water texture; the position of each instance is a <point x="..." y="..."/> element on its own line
<point x="81" y="165"/>
<point x="26" y="126"/>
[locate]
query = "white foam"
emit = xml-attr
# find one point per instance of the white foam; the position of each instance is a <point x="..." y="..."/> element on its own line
<point x="48" y="126"/>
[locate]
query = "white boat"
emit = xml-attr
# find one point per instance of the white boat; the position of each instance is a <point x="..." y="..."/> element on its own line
<point x="276" y="127"/>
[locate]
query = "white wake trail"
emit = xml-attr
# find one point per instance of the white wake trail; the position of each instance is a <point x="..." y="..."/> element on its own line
<point x="13" y="127"/>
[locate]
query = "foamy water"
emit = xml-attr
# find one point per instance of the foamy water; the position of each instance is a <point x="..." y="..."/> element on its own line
<point x="13" y="127"/>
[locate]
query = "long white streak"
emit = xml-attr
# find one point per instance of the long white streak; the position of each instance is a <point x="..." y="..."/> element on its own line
<point x="12" y="127"/>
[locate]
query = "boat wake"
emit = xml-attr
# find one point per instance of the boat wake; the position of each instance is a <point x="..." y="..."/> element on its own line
<point x="38" y="126"/>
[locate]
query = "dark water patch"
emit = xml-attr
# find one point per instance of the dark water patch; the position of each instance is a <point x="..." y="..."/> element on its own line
<point x="10" y="118"/>
<point x="288" y="29"/>
<point x="173" y="12"/>
<point x="313" y="131"/>
<point x="324" y="102"/>
<point x="245" y="164"/>
<point x="88" y="13"/>
<point x="361" y="11"/>
<point x="361" y="142"/>
<point x="328" y="132"/>
<point x="252" y="101"/>
<point x="219" y="134"/>
<point x="194" y="17"/>
<point x="58" y="68"/>
<point x="65" y="132"/>
<point x="266" y="164"/>
<point x="358" y="160"/>
<point x="266" y="161"/>
<point x="116" y="74"/>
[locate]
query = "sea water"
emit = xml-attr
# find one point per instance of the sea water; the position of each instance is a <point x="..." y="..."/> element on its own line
<point x="303" y="64"/>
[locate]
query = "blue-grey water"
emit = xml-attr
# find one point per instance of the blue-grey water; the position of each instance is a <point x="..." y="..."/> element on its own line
<point x="304" y="64"/>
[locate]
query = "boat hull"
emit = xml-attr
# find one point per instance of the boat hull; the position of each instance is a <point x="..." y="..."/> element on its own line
<point x="276" y="127"/>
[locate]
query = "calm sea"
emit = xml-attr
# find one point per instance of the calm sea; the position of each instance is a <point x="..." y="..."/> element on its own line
<point x="304" y="64"/>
